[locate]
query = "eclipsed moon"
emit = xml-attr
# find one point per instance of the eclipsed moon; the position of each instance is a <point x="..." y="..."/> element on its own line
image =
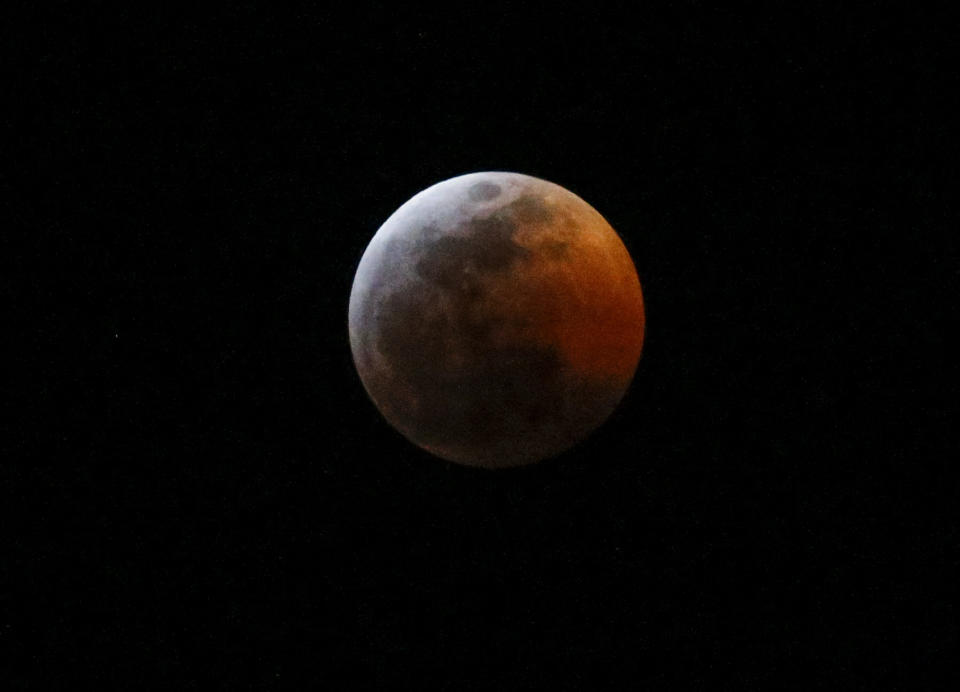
<point x="496" y="319"/>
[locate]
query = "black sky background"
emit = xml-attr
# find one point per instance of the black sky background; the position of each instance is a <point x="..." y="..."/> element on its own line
<point x="203" y="496"/>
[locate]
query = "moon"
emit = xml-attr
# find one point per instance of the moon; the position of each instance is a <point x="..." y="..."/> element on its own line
<point x="496" y="319"/>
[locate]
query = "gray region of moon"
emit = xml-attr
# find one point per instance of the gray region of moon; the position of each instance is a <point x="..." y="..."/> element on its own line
<point x="495" y="319"/>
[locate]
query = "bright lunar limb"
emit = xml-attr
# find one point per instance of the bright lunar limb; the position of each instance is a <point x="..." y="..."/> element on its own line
<point x="496" y="319"/>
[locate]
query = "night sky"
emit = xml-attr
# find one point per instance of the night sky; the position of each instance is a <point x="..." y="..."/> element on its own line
<point x="205" y="498"/>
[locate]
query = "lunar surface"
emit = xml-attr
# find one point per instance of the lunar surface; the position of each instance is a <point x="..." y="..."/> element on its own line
<point x="496" y="319"/>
